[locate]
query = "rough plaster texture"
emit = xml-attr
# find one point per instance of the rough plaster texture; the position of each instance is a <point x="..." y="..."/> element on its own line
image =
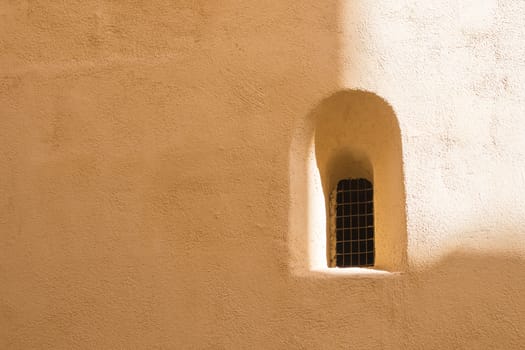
<point x="147" y="157"/>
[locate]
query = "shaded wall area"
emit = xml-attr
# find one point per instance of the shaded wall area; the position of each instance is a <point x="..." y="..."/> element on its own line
<point x="143" y="152"/>
<point x="467" y="300"/>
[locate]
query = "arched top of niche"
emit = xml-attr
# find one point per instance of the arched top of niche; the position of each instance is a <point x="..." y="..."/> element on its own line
<point x="353" y="130"/>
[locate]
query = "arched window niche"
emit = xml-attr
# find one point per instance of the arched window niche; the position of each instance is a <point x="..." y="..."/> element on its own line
<point x="351" y="134"/>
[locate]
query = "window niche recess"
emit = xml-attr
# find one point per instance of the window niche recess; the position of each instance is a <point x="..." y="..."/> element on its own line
<point x="358" y="156"/>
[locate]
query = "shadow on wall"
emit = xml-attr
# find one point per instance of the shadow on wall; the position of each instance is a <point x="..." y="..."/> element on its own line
<point x="468" y="300"/>
<point x="156" y="165"/>
<point x="354" y="134"/>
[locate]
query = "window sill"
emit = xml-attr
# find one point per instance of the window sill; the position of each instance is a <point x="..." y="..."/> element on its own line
<point x="356" y="272"/>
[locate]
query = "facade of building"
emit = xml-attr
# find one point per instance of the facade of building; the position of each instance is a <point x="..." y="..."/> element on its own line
<point x="166" y="170"/>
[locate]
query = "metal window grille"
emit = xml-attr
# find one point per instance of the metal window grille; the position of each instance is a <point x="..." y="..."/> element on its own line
<point x="354" y="221"/>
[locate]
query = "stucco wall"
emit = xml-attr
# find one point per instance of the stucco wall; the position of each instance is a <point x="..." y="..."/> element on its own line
<point x="147" y="173"/>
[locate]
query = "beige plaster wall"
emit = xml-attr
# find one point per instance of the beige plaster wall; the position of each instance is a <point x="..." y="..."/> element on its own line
<point x="151" y="152"/>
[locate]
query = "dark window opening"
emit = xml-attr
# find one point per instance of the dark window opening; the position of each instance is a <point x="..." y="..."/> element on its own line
<point x="354" y="223"/>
